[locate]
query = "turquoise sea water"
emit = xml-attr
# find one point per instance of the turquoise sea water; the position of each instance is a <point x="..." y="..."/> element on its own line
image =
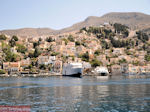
<point x="67" y="94"/>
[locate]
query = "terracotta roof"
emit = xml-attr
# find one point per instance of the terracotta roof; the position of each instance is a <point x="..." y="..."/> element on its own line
<point x="14" y="64"/>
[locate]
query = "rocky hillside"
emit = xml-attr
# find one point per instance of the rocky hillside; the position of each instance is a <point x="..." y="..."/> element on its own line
<point x="134" y="20"/>
<point x="31" y="32"/>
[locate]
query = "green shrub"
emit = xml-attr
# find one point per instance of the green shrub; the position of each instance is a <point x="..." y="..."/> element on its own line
<point x="54" y="53"/>
<point x="21" y="48"/>
<point x="97" y="52"/>
<point x="85" y="57"/>
<point x="77" y="43"/>
<point x="2" y="72"/>
<point x="49" y="39"/>
<point x="95" y="63"/>
<point x="71" y="38"/>
<point x="3" y="37"/>
<point x="147" y="57"/>
<point x="43" y="67"/>
<point x="15" y="38"/>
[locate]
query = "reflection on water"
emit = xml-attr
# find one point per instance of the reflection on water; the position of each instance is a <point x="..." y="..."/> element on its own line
<point x="85" y="94"/>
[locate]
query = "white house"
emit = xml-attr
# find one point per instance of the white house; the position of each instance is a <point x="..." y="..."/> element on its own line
<point x="45" y="60"/>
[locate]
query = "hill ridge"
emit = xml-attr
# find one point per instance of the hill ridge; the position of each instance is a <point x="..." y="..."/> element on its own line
<point x="135" y="20"/>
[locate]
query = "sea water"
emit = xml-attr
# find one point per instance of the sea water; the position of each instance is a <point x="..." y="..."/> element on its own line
<point x="68" y="94"/>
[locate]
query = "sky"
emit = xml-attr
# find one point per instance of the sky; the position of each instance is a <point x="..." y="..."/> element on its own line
<point x="58" y="14"/>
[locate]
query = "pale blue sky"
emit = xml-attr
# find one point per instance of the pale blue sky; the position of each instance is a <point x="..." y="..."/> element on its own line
<point x="57" y="14"/>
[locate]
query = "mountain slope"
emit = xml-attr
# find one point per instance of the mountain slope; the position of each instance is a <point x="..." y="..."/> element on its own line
<point x="31" y="32"/>
<point x="134" y="20"/>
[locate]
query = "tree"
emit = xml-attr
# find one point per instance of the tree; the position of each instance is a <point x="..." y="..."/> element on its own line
<point x="35" y="44"/>
<point x="71" y="38"/>
<point x="97" y="52"/>
<point x="122" y="43"/>
<point x="77" y="43"/>
<point x="43" y="67"/>
<point x="85" y="57"/>
<point x="66" y="41"/>
<point x="94" y="30"/>
<point x="15" y="38"/>
<point x="137" y="43"/>
<point x="2" y="72"/>
<point x="119" y="28"/>
<point x="128" y="52"/>
<point x="30" y="66"/>
<point x="107" y="33"/>
<point x="123" y="61"/>
<point x="142" y="36"/>
<point x="64" y="58"/>
<point x="104" y="44"/>
<point x="21" y="48"/>
<point x="147" y="57"/>
<point x="50" y="67"/>
<point x="148" y="51"/>
<point x="136" y="63"/>
<point x="126" y="33"/>
<point x="73" y="58"/>
<point x="31" y="55"/>
<point x="95" y="63"/>
<point x="3" y="37"/>
<point x="54" y="53"/>
<point x="49" y="39"/>
<point x="40" y="39"/>
<point x="83" y="29"/>
<point x="12" y="42"/>
<point x="9" y="56"/>
<point x="36" y="52"/>
<point x="145" y="47"/>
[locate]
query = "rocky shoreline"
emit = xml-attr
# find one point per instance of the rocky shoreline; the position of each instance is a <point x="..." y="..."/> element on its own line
<point x="40" y="74"/>
<point x="59" y="75"/>
<point x="30" y="75"/>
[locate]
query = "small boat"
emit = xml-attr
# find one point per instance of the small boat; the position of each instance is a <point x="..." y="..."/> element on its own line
<point x="101" y="72"/>
<point x="72" y="69"/>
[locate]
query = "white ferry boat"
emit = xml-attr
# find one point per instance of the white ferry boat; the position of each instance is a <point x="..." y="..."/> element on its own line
<point x="73" y="69"/>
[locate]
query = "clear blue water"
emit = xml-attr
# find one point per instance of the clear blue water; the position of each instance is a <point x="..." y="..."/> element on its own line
<point x="67" y="94"/>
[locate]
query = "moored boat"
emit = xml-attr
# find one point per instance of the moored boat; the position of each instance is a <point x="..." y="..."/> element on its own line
<point x="101" y="72"/>
<point x="72" y="69"/>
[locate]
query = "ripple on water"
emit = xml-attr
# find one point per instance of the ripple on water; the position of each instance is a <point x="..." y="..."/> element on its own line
<point x="77" y="95"/>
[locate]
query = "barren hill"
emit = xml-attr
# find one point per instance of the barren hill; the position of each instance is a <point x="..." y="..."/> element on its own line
<point x="134" y="20"/>
<point x="31" y="32"/>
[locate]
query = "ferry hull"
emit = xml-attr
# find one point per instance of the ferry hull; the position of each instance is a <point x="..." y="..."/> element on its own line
<point x="72" y="72"/>
<point x="74" y="75"/>
<point x="72" y="69"/>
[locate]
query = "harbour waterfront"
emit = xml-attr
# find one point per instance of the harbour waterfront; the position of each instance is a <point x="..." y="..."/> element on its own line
<point x="67" y="94"/>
